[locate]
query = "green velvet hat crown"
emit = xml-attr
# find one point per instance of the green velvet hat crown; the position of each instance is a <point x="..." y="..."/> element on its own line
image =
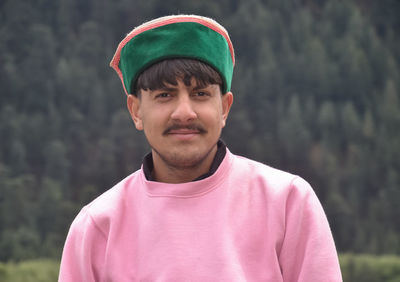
<point x="182" y="36"/>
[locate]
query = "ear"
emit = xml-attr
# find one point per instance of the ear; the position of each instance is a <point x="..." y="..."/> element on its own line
<point x="133" y="104"/>
<point x="227" y="100"/>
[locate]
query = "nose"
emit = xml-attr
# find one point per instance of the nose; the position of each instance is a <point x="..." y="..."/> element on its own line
<point x="183" y="111"/>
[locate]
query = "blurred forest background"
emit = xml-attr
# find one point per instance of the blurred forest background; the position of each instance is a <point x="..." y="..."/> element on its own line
<point x="317" y="93"/>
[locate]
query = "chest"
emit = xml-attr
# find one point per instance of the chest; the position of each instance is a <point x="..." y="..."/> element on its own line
<point x="233" y="239"/>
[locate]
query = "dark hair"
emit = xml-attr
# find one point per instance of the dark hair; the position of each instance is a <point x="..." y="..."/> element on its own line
<point x="169" y="70"/>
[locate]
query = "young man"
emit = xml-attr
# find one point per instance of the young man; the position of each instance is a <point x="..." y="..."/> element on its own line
<point x="194" y="211"/>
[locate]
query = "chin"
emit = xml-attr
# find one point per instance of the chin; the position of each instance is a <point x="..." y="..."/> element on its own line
<point x="184" y="157"/>
<point x="184" y="160"/>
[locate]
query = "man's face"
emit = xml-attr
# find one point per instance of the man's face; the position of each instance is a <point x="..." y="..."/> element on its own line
<point x="182" y="123"/>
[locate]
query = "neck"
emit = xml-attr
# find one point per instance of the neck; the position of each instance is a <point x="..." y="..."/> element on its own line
<point x="167" y="173"/>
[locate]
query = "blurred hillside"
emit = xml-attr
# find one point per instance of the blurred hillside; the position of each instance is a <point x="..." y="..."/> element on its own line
<point x="316" y="89"/>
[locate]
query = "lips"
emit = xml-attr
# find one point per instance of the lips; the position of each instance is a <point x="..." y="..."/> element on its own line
<point x="184" y="130"/>
<point x="183" y="134"/>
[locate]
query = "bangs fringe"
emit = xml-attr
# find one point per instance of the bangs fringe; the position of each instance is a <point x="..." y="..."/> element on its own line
<point x="170" y="70"/>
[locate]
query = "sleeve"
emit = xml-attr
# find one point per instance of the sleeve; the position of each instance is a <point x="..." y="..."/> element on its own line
<point x="308" y="251"/>
<point x="84" y="249"/>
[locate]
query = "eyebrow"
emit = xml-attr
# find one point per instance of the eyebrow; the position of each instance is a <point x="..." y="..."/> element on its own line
<point x="175" y="88"/>
<point x="166" y="89"/>
<point x="199" y="87"/>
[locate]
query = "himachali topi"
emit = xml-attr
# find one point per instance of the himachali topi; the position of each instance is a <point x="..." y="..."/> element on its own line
<point x="171" y="37"/>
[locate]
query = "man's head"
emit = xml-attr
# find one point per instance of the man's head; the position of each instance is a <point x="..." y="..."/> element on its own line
<point x="177" y="72"/>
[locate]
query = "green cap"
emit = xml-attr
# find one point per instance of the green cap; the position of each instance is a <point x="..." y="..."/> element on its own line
<point x="172" y="37"/>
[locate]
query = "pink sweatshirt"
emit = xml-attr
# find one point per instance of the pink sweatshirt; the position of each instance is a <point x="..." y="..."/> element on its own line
<point x="246" y="222"/>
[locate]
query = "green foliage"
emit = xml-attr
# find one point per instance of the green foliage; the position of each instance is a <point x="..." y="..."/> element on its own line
<point x="368" y="268"/>
<point x="317" y="92"/>
<point x="38" y="270"/>
<point x="355" y="268"/>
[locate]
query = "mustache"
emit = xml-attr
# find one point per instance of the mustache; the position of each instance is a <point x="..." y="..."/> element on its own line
<point x="196" y="127"/>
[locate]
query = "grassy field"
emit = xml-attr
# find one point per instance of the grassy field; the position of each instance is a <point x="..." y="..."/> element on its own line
<point x="39" y="270"/>
<point x="355" y="268"/>
<point x="369" y="268"/>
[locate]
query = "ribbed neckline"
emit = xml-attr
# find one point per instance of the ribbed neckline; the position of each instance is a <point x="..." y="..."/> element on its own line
<point x="188" y="189"/>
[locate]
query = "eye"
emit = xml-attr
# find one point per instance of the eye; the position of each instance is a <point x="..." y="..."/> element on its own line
<point x="201" y="94"/>
<point x="163" y="95"/>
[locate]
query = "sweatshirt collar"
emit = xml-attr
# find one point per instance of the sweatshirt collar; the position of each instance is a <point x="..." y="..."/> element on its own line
<point x="190" y="189"/>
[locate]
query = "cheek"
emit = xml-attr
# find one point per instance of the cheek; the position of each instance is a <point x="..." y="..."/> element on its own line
<point x="214" y="118"/>
<point x="154" y="120"/>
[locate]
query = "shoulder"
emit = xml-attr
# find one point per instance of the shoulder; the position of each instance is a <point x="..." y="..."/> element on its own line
<point x="109" y="198"/>
<point x="264" y="176"/>
<point x="101" y="211"/>
<point x="256" y="171"/>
